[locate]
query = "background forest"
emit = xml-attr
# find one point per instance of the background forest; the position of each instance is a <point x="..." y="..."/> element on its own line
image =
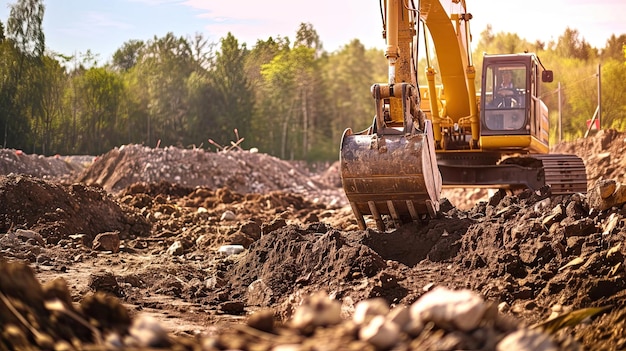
<point x="289" y="99"/>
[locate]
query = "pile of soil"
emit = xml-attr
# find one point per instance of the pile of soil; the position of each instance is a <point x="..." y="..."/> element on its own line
<point x="188" y="249"/>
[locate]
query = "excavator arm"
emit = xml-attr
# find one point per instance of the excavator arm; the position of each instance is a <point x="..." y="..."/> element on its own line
<point x="390" y="168"/>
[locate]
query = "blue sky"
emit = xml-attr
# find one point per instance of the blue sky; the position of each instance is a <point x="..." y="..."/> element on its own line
<point x="102" y="26"/>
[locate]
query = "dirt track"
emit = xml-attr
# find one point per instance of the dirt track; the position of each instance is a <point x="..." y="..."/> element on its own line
<point x="145" y="226"/>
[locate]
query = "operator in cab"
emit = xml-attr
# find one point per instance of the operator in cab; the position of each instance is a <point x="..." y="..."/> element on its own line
<point x="506" y="93"/>
<point x="506" y="83"/>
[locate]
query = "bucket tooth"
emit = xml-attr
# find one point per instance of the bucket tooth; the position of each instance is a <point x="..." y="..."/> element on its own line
<point x="412" y="211"/>
<point x="358" y="215"/>
<point x="394" y="214"/>
<point x="380" y="225"/>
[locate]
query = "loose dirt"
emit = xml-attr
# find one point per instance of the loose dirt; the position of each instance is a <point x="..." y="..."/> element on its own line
<point x="190" y="249"/>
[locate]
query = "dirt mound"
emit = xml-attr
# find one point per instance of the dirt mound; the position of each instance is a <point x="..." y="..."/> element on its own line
<point x="602" y="153"/>
<point x="55" y="167"/>
<point x="57" y="211"/>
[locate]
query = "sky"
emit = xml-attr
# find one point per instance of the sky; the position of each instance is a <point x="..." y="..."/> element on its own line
<point x="103" y="26"/>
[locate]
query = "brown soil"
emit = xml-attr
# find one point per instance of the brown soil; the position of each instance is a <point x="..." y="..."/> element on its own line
<point x="91" y="247"/>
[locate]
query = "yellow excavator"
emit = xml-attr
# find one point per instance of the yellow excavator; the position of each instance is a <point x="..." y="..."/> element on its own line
<point x="446" y="134"/>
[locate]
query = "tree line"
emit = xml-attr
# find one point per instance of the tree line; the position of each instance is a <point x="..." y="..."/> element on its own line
<point x="289" y="99"/>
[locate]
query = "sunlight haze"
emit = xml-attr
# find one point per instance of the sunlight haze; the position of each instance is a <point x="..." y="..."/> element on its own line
<point x="103" y="26"/>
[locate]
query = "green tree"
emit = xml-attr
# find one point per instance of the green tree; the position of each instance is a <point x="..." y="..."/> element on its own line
<point x="613" y="87"/>
<point x="159" y="83"/>
<point x="570" y="45"/>
<point x="349" y="74"/>
<point x="25" y="27"/>
<point x="23" y="47"/>
<point x="126" y="57"/>
<point x="263" y="130"/>
<point x="307" y="36"/>
<point x="52" y="80"/>
<point x="203" y="51"/>
<point x="614" y="48"/>
<point x="100" y="92"/>
<point x="500" y="43"/>
<point x="233" y="99"/>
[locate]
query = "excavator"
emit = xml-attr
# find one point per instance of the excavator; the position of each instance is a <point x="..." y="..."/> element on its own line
<point x="445" y="134"/>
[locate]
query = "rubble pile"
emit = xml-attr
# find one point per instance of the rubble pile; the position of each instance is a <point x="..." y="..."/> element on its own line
<point x="242" y="171"/>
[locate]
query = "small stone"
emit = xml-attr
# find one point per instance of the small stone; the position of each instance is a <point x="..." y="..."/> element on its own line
<point x="400" y="315"/>
<point x="317" y="310"/>
<point x="233" y="307"/>
<point x="607" y="187"/>
<point x="30" y="234"/>
<point x="228" y="250"/>
<point x="147" y="332"/>
<point x="176" y="249"/>
<point x="503" y="307"/>
<point x="109" y="241"/>
<point x="258" y="293"/>
<point x="428" y="287"/>
<point x="228" y="216"/>
<point x="262" y="320"/>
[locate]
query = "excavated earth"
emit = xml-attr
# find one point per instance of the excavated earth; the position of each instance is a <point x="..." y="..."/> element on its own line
<point x="187" y="249"/>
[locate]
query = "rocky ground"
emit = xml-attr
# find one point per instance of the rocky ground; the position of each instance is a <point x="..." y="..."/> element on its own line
<point x="167" y="248"/>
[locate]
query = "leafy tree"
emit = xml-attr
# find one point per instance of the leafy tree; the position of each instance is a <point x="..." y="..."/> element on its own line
<point x="613" y="86"/>
<point x="500" y="43"/>
<point x="279" y="76"/>
<point x="203" y="51"/>
<point x="614" y="48"/>
<point x="159" y="79"/>
<point x="25" y="27"/>
<point x="50" y="80"/>
<point x="24" y="44"/>
<point x="263" y="132"/>
<point x="570" y="45"/>
<point x="234" y="101"/>
<point x="349" y="74"/>
<point x="126" y="57"/>
<point x="307" y="36"/>
<point x="100" y="91"/>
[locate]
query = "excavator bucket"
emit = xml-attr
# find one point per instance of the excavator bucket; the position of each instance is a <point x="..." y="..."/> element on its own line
<point x="390" y="174"/>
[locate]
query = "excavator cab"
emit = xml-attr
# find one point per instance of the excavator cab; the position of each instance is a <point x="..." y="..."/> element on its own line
<point x="512" y="112"/>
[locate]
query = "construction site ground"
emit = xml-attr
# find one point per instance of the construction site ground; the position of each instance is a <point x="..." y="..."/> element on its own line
<point x="219" y="250"/>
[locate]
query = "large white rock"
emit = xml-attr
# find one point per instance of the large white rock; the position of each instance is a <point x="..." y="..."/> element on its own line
<point x="463" y="309"/>
<point x="380" y="332"/>
<point x="365" y="310"/>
